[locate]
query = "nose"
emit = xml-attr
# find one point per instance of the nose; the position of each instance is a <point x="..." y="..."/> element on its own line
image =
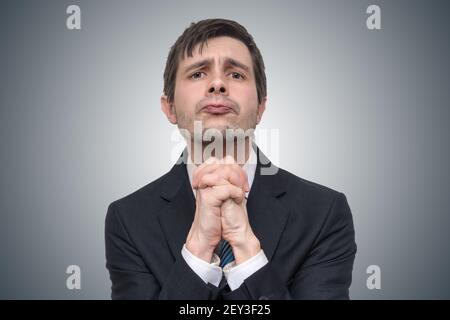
<point x="214" y="89"/>
<point x="217" y="86"/>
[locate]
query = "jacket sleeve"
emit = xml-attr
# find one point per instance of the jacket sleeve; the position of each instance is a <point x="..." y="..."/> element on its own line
<point x="326" y="272"/>
<point x="132" y="279"/>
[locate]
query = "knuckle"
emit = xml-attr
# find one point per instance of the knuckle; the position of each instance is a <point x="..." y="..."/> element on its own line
<point x="203" y="180"/>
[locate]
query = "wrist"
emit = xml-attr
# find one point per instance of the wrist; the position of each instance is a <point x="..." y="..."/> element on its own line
<point x="199" y="249"/>
<point x="246" y="249"/>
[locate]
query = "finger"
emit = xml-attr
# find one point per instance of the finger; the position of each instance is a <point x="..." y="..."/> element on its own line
<point x="231" y="177"/>
<point x="232" y="172"/>
<point x="211" y="179"/>
<point x="236" y="176"/>
<point x="236" y="193"/>
<point x="210" y="161"/>
<point x="243" y="176"/>
<point x="199" y="172"/>
<point x="229" y="191"/>
<point x="205" y="169"/>
<point x="228" y="160"/>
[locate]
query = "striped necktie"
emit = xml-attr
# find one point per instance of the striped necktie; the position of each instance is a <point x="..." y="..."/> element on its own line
<point x="225" y="253"/>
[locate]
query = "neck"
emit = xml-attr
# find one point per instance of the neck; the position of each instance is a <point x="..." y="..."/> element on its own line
<point x="201" y="151"/>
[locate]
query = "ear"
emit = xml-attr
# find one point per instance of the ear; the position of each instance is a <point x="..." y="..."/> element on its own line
<point x="168" y="109"/>
<point x="261" y="109"/>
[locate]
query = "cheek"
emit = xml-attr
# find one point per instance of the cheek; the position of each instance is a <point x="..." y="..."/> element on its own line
<point x="248" y="100"/>
<point x="186" y="95"/>
<point x="181" y="100"/>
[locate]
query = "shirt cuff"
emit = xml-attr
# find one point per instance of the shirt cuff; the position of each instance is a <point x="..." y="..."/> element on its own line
<point x="236" y="274"/>
<point x="208" y="272"/>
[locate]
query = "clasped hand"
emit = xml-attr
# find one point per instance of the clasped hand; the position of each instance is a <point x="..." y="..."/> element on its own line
<point x="221" y="211"/>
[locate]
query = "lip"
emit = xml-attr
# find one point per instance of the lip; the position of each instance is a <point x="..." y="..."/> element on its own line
<point x="217" y="109"/>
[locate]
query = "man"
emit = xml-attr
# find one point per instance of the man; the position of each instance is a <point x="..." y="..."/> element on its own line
<point x="226" y="224"/>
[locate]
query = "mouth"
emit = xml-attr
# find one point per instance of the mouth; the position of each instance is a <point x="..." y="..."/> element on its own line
<point x="217" y="109"/>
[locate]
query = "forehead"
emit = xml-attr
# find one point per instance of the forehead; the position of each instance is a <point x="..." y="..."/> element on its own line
<point x="218" y="49"/>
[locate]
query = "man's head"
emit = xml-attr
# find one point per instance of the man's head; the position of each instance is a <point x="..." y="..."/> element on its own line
<point x="214" y="74"/>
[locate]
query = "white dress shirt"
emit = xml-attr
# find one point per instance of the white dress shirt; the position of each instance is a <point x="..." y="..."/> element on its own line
<point x="235" y="274"/>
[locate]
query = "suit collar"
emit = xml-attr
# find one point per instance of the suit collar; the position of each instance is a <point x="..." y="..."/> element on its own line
<point x="267" y="215"/>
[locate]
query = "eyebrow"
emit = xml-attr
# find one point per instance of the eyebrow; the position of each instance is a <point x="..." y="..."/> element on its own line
<point x="208" y="62"/>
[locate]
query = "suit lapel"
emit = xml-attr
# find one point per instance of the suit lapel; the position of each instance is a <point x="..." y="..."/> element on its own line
<point x="176" y="219"/>
<point x="267" y="215"/>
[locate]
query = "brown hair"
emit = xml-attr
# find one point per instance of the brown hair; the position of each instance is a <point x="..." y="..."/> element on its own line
<point x="199" y="33"/>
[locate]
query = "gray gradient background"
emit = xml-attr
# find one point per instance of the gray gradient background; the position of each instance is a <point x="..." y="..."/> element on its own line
<point x="363" y="112"/>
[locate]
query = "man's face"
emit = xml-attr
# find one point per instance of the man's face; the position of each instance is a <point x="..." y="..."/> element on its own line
<point x="216" y="87"/>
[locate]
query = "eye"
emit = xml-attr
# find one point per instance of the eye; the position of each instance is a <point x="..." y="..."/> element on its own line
<point x="237" y="75"/>
<point x="197" y="75"/>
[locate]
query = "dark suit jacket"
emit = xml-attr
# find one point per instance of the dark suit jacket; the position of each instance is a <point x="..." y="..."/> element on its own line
<point x="305" y="229"/>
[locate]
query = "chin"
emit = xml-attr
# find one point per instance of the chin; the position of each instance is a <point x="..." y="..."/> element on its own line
<point x="214" y="129"/>
<point x="219" y="125"/>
